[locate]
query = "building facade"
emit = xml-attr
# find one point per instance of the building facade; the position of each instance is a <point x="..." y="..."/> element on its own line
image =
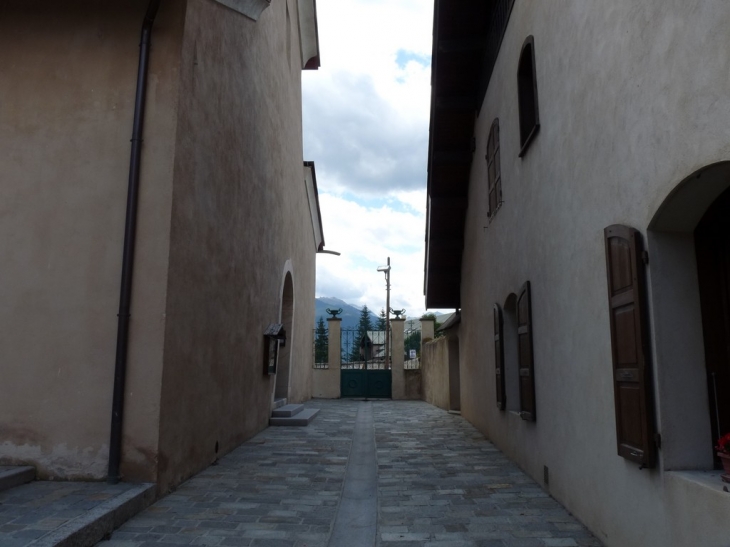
<point x="578" y="205"/>
<point x="227" y="228"/>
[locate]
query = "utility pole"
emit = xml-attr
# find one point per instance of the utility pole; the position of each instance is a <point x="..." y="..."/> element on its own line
<point x="386" y="270"/>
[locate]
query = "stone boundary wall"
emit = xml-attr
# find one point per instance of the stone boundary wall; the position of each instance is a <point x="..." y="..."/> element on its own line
<point x="435" y="372"/>
<point x="326" y="383"/>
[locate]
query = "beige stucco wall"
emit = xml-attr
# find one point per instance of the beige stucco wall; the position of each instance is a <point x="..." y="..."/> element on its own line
<point x="435" y="372"/>
<point x="240" y="222"/>
<point x="397" y="341"/>
<point x="66" y="100"/>
<point x="633" y="98"/>
<point x="326" y="382"/>
<point x="412" y="384"/>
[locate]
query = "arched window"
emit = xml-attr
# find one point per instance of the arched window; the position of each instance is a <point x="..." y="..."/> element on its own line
<point x="688" y="242"/>
<point x="494" y="174"/>
<point x="527" y="95"/>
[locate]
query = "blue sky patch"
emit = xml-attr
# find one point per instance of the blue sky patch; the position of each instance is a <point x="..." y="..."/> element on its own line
<point x="403" y="56"/>
<point x="377" y="202"/>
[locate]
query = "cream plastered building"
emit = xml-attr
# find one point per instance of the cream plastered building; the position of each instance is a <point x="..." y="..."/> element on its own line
<point x="227" y="228"/>
<point x="579" y="217"/>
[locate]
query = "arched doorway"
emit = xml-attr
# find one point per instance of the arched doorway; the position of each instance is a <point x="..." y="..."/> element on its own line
<point x="283" y="370"/>
<point x="687" y="251"/>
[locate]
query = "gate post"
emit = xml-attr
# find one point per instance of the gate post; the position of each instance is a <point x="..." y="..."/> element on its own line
<point x="398" y="345"/>
<point x="334" y="356"/>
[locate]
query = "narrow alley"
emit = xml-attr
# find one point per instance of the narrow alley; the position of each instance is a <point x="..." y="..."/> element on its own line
<point x="386" y="473"/>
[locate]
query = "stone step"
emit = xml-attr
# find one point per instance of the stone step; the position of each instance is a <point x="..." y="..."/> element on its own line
<point x="13" y="475"/>
<point x="287" y="411"/>
<point x="301" y="419"/>
<point x="278" y="403"/>
<point x="71" y="514"/>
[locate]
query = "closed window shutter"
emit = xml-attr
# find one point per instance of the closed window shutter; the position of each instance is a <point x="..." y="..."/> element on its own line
<point x="629" y="345"/>
<point x="494" y="174"/>
<point x="499" y="356"/>
<point x="497" y="166"/>
<point x="525" y="355"/>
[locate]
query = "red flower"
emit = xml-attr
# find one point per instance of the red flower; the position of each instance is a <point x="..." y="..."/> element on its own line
<point x="723" y="444"/>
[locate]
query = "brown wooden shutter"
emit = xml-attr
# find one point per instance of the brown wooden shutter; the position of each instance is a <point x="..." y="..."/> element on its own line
<point x="497" y="164"/>
<point x="629" y="345"/>
<point x="499" y="356"/>
<point x="525" y="354"/>
<point x="494" y="174"/>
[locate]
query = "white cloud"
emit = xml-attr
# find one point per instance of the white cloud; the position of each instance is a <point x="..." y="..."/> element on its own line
<point x="366" y="118"/>
<point x="366" y="237"/>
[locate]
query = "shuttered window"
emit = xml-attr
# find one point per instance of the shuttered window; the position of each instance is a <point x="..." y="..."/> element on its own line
<point x="525" y="354"/>
<point x="494" y="174"/>
<point x="499" y="356"/>
<point x="527" y="95"/>
<point x="629" y="345"/>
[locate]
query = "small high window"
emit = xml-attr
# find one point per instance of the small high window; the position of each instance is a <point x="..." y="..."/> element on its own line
<point x="527" y="95"/>
<point x="493" y="170"/>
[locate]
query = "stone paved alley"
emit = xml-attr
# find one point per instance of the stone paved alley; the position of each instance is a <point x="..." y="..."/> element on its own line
<point x="439" y="484"/>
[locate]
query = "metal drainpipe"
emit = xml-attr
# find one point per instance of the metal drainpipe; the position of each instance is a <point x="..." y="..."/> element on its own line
<point x="130" y="228"/>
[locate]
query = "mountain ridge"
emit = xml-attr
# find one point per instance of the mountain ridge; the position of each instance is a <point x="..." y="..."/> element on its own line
<point x="350" y="314"/>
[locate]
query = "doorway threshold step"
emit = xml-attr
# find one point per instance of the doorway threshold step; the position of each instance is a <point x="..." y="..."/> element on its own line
<point x="15" y="475"/>
<point x="287" y="411"/>
<point x="300" y="419"/>
<point x="278" y="403"/>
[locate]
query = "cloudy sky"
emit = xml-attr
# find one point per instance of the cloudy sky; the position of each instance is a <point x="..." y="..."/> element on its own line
<point x="366" y="116"/>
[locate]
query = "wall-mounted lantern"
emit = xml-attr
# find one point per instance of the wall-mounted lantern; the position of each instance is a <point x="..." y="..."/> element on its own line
<point x="273" y="336"/>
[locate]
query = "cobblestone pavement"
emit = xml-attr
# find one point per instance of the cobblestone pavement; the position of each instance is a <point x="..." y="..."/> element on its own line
<point x="440" y="484"/>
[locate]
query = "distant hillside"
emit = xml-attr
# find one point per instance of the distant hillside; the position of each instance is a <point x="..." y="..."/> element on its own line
<point x="350" y="314"/>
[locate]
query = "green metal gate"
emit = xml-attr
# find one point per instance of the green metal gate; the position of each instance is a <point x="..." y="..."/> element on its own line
<point x="371" y="384"/>
<point x="363" y="373"/>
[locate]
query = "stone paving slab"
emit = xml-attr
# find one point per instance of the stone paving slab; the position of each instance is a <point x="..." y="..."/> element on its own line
<point x="440" y="484"/>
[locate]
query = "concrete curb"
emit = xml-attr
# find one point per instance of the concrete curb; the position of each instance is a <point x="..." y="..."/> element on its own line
<point x="96" y="524"/>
